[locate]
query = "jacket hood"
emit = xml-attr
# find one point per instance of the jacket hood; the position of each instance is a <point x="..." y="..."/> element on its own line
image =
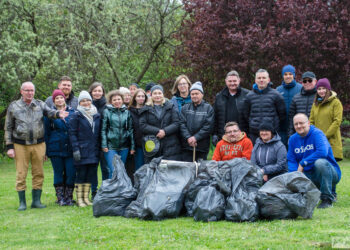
<point x="112" y="108"/>
<point x="243" y="135"/>
<point x="274" y="139"/>
<point x="257" y="90"/>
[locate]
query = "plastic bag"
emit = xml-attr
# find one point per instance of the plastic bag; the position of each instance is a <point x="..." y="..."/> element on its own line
<point x="287" y="196"/>
<point x="115" y="194"/>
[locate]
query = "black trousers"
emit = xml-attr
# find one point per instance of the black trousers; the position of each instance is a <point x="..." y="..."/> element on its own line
<point x="86" y="173"/>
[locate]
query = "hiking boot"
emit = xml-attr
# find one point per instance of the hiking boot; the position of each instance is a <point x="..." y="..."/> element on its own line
<point x="22" y="200"/>
<point x="325" y="204"/>
<point x="36" y="203"/>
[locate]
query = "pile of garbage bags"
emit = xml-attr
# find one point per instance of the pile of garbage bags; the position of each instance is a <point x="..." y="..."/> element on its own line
<point x="207" y="191"/>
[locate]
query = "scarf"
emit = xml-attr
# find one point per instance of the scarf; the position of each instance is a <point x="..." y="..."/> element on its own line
<point x="290" y="85"/>
<point x="88" y="113"/>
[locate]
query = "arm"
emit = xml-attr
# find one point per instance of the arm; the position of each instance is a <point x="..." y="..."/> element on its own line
<point x="73" y="132"/>
<point x="245" y="116"/>
<point x="131" y="132"/>
<point x="312" y="115"/>
<point x="292" y="113"/>
<point x="173" y="127"/>
<point x="291" y="157"/>
<point x="185" y="133"/>
<point x="49" y="112"/>
<point x="247" y="149"/>
<point x="207" y="127"/>
<point x="281" y="110"/>
<point x="47" y="126"/>
<point x="337" y="117"/>
<point x="9" y="126"/>
<point x="215" y="129"/>
<point x="146" y="128"/>
<point x="104" y="129"/>
<point x="280" y="165"/>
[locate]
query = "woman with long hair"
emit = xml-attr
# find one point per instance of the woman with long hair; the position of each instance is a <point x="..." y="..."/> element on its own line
<point x="181" y="92"/>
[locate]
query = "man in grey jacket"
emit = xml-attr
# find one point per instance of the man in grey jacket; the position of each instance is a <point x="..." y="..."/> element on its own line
<point x="24" y="137"/>
<point x="65" y="85"/>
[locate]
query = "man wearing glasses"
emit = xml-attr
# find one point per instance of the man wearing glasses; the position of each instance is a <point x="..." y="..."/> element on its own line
<point x="309" y="152"/>
<point x="302" y="102"/>
<point x="24" y="136"/>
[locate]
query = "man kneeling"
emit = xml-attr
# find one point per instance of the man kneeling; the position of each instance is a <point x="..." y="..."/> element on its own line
<point x="310" y="152"/>
<point x="234" y="144"/>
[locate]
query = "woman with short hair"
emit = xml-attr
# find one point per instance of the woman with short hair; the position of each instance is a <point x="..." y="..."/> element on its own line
<point x="181" y="92"/>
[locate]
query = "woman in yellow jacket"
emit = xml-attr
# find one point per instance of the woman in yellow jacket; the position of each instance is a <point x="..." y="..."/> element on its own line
<point x="327" y="114"/>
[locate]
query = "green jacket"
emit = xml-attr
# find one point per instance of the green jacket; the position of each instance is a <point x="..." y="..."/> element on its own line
<point x="328" y="117"/>
<point x="117" y="129"/>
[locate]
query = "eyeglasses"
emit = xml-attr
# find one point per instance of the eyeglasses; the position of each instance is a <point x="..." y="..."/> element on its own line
<point x="307" y="80"/>
<point x="28" y="90"/>
<point x="182" y="84"/>
<point x="299" y="123"/>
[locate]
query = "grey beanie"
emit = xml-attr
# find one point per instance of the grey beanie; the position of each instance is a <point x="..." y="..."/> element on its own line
<point x="84" y="95"/>
<point x="197" y="86"/>
<point x="157" y="87"/>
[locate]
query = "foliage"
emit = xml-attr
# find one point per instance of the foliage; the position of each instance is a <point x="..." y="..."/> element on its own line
<point x="70" y="227"/>
<point x="223" y="35"/>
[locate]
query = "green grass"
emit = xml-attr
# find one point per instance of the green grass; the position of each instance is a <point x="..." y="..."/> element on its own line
<point x="70" y="227"/>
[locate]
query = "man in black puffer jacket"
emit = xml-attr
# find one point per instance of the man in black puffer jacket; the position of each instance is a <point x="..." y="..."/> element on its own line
<point x="196" y="125"/>
<point x="228" y="105"/>
<point x="263" y="104"/>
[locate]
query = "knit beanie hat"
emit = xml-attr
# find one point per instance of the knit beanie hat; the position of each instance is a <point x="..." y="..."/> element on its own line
<point x="288" y="68"/>
<point x="134" y="84"/>
<point x="84" y="95"/>
<point x="324" y="82"/>
<point x="266" y="126"/>
<point x="149" y="86"/>
<point x="157" y="87"/>
<point x="197" y="86"/>
<point x="56" y="93"/>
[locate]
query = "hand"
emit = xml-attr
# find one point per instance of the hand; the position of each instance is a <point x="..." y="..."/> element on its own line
<point x="11" y="153"/>
<point x="76" y="155"/>
<point x="215" y="139"/>
<point x="105" y="150"/>
<point x="300" y="168"/>
<point x="132" y="152"/>
<point x="63" y="114"/>
<point x="265" y="177"/>
<point x="45" y="158"/>
<point x="192" y="141"/>
<point x="161" y="134"/>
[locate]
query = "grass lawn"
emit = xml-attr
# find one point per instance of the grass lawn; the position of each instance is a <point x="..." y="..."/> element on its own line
<point x="70" y="227"/>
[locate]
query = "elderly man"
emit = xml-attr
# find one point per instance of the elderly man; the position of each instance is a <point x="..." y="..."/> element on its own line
<point x="263" y="104"/>
<point x="234" y="144"/>
<point x="302" y="102"/>
<point x="24" y="136"/>
<point x="65" y="85"/>
<point x="196" y="125"/>
<point x="228" y="104"/>
<point x="310" y="152"/>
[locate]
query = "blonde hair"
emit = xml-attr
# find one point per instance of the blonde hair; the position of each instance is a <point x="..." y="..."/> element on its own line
<point x="174" y="90"/>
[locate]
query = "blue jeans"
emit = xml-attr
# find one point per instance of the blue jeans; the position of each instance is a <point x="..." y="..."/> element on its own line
<point x="109" y="156"/>
<point x="324" y="176"/>
<point x="60" y="166"/>
<point x="139" y="158"/>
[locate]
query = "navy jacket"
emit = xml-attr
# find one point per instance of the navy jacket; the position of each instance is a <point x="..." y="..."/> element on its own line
<point x="85" y="138"/>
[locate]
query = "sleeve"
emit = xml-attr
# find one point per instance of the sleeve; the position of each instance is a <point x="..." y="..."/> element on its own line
<point x="312" y="115"/>
<point x="146" y="128"/>
<point x="291" y="157"/>
<point x="337" y="117"/>
<point x="131" y="132"/>
<point x="47" y="127"/>
<point x="280" y="165"/>
<point x="49" y="112"/>
<point x="185" y="133"/>
<point x="174" y="125"/>
<point x="217" y="155"/>
<point x="292" y="113"/>
<point x="9" y="126"/>
<point x="207" y="127"/>
<point x="174" y="101"/>
<point x="244" y="126"/>
<point x="247" y="149"/>
<point x="104" y="129"/>
<point x="215" y="129"/>
<point x="73" y="132"/>
<point x="281" y="110"/>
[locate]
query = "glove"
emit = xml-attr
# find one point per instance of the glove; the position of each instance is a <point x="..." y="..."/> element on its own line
<point x="76" y="155"/>
<point x="215" y="139"/>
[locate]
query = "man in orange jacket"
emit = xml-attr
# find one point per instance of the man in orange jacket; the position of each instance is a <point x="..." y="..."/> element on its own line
<point x="234" y="144"/>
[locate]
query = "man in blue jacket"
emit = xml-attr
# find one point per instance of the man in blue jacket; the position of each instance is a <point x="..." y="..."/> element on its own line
<point x="310" y="152"/>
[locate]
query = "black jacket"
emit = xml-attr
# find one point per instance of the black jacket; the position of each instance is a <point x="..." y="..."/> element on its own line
<point x="150" y="125"/>
<point x="267" y="105"/>
<point x="135" y="115"/>
<point x="100" y="104"/>
<point x="220" y="109"/>
<point x="197" y="121"/>
<point x="301" y="103"/>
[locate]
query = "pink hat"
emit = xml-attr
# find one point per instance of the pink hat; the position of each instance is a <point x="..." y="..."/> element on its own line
<point x="324" y="82"/>
<point x="57" y="92"/>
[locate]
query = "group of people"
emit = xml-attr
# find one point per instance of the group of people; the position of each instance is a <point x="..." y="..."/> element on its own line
<point x="78" y="134"/>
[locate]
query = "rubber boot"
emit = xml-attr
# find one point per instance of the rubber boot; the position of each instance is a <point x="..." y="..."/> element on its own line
<point x="79" y="193"/>
<point x="93" y="194"/>
<point x="36" y="195"/>
<point x="22" y="200"/>
<point x="60" y="195"/>
<point x="68" y="196"/>
<point x="86" y="189"/>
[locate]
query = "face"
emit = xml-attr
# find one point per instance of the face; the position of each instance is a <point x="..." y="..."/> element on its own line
<point x="140" y="98"/>
<point x="117" y="101"/>
<point x="233" y="133"/>
<point x="85" y="103"/>
<point x="232" y="83"/>
<point x="97" y="93"/>
<point x="288" y="77"/>
<point x="301" y="125"/>
<point x="157" y="96"/>
<point x="27" y="93"/>
<point x="262" y="79"/>
<point x="309" y="83"/>
<point x="265" y="135"/>
<point x="132" y="89"/>
<point x="196" y="96"/>
<point x="183" y="86"/>
<point x="59" y="101"/>
<point x="321" y="91"/>
<point x="66" y="87"/>
<point x="127" y="98"/>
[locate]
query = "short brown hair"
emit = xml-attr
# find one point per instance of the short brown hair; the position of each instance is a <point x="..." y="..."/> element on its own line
<point x="112" y="94"/>
<point x="174" y="90"/>
<point x="230" y="124"/>
<point x="133" y="99"/>
<point x="95" y="85"/>
<point x="65" y="78"/>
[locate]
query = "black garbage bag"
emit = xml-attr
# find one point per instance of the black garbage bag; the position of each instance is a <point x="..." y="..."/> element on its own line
<point x="164" y="196"/>
<point x="115" y="194"/>
<point x="246" y="180"/>
<point x="209" y="205"/>
<point x="288" y="196"/>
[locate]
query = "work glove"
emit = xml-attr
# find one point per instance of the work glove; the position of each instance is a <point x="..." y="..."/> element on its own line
<point x="215" y="139"/>
<point x="76" y="155"/>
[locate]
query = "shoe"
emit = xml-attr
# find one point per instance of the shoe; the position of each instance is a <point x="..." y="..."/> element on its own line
<point x="86" y="190"/>
<point x="68" y="196"/>
<point x="22" y="200"/>
<point x="79" y="193"/>
<point x="60" y="195"/>
<point x="36" y="195"/>
<point x="325" y="204"/>
<point x="93" y="194"/>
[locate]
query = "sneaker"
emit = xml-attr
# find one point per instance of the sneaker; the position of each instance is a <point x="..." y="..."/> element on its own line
<point x="325" y="204"/>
